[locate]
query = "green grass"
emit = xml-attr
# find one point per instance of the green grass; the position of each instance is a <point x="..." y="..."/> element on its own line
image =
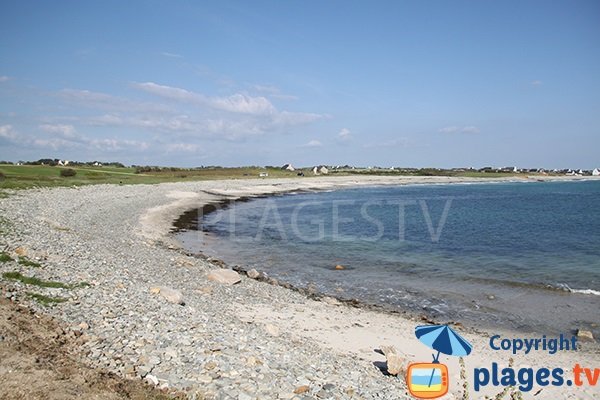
<point x="30" y="280"/>
<point x="46" y="300"/>
<point x="28" y="176"/>
<point x="4" y="257"/>
<point x="28" y="263"/>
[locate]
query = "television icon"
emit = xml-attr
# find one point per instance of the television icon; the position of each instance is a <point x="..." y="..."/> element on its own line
<point x="427" y="380"/>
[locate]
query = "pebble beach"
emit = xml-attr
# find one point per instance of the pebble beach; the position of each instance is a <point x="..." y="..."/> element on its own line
<point x="145" y="309"/>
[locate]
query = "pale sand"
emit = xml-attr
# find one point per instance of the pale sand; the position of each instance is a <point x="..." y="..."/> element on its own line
<point x="344" y="329"/>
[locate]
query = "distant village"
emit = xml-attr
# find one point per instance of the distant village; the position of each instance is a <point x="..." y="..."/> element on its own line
<point x="330" y="169"/>
<point x="323" y="169"/>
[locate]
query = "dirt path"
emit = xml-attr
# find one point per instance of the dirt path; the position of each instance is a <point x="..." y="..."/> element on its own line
<point x="37" y="362"/>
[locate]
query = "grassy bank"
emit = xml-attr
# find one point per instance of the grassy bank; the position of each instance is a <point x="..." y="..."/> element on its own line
<point x="28" y="176"/>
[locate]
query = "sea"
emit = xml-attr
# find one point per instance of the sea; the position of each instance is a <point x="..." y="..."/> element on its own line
<point x="499" y="256"/>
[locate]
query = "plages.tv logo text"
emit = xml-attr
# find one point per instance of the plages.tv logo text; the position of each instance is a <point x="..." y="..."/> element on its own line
<point x="525" y="378"/>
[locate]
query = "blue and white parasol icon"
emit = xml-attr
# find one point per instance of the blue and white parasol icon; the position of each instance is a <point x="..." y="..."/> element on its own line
<point x="443" y="339"/>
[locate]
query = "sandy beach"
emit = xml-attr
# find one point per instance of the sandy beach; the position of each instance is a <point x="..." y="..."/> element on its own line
<point x="250" y="340"/>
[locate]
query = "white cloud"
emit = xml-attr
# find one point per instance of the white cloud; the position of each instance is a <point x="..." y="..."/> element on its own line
<point x="171" y="55"/>
<point x="273" y="92"/>
<point x="54" y="143"/>
<point x="313" y="143"/>
<point x="103" y="101"/>
<point x="66" y="131"/>
<point x="241" y="103"/>
<point x="344" y="135"/>
<point x="177" y="120"/>
<point x="182" y="147"/>
<point x="168" y="92"/>
<point x="398" y="142"/>
<point x="231" y="117"/>
<point x="7" y="132"/>
<point x="4" y="78"/>
<point x="118" y="144"/>
<point x="236" y="103"/>
<point x="66" y="137"/>
<point x="469" y="129"/>
<point x="536" y="83"/>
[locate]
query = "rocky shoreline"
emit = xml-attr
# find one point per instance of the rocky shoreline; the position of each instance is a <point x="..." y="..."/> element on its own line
<point x="109" y="246"/>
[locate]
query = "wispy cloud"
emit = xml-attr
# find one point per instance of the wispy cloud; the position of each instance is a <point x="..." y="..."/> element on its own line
<point x="155" y="119"/>
<point x="273" y="92"/>
<point x="469" y="129"/>
<point x="182" y="147"/>
<point x="398" y="142"/>
<point x="4" y="78"/>
<point x="63" y="137"/>
<point x="170" y="55"/>
<point x="236" y="103"/>
<point x="313" y="143"/>
<point x="536" y="83"/>
<point x="7" y="132"/>
<point x="235" y="116"/>
<point x="66" y="131"/>
<point x="344" y="135"/>
<point x="103" y="101"/>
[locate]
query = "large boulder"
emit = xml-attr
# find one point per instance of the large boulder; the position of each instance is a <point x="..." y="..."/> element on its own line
<point x="224" y="276"/>
<point x="395" y="363"/>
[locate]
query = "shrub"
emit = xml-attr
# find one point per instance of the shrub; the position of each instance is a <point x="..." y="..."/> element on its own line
<point x="66" y="172"/>
<point x="2" y="176"/>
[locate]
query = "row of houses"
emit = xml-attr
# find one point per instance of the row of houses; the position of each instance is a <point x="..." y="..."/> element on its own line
<point x="316" y="170"/>
<point x="565" y="171"/>
<point x="323" y="170"/>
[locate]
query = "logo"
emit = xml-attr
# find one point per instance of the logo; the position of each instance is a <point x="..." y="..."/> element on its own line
<point x="430" y="380"/>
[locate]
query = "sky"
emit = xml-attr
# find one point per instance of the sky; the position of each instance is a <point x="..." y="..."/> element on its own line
<point x="369" y="83"/>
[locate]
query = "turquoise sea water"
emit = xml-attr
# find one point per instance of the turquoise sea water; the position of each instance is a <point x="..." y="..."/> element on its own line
<point x="519" y="255"/>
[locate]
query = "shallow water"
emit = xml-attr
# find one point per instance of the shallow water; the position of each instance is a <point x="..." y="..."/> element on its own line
<point x="511" y="255"/>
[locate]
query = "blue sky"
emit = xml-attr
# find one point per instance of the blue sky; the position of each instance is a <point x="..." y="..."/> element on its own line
<point x="404" y="83"/>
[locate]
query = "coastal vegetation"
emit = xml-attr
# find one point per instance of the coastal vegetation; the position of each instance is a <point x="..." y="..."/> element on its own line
<point x="5" y="257"/>
<point x="30" y="175"/>
<point x="31" y="280"/>
<point x="28" y="263"/>
<point x="46" y="300"/>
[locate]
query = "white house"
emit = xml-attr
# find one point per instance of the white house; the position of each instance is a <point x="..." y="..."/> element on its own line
<point x="596" y="172"/>
<point x="288" y="167"/>
<point x="263" y="174"/>
<point x="320" y="169"/>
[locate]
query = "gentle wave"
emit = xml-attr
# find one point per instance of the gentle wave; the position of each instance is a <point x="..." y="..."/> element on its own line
<point x="566" y="288"/>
